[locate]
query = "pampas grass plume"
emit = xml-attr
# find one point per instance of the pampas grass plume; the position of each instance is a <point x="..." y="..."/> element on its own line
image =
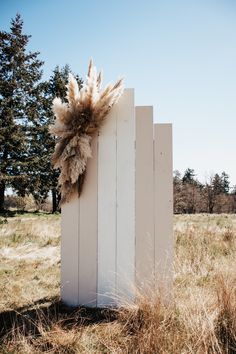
<point x="77" y="120"/>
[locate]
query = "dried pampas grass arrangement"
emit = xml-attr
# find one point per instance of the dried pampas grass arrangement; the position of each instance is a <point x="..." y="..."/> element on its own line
<point x="76" y="122"/>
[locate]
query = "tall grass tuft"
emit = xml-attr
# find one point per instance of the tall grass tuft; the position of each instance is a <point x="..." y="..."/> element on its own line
<point x="226" y="322"/>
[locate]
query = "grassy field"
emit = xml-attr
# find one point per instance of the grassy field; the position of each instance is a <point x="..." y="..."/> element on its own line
<point x="201" y="317"/>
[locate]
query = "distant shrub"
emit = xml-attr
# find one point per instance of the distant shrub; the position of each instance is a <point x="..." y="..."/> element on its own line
<point x="15" y="202"/>
<point x="19" y="203"/>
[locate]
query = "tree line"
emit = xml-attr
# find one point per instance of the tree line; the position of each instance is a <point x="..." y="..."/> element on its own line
<point x="214" y="196"/>
<point x="25" y="116"/>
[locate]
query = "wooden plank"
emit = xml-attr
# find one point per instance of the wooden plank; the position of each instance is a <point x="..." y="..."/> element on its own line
<point x="88" y="233"/>
<point x="163" y="205"/>
<point x="69" y="252"/>
<point x="126" y="194"/>
<point x="144" y="199"/>
<point x="107" y="210"/>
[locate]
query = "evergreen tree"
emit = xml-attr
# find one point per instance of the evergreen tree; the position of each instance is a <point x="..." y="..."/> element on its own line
<point x="20" y="73"/>
<point x="39" y="164"/>
<point x="225" y="182"/>
<point x="217" y="184"/>
<point x="44" y="178"/>
<point x="188" y="176"/>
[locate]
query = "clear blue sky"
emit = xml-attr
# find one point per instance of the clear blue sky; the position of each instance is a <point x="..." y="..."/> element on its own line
<point x="179" y="55"/>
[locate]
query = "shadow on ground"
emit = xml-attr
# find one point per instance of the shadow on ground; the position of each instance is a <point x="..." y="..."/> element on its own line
<point x="27" y="320"/>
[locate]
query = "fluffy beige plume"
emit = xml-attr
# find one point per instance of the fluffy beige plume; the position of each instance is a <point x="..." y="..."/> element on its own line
<point x="72" y="91"/>
<point x="76" y="122"/>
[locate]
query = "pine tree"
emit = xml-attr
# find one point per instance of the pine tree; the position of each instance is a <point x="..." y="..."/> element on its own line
<point x="20" y="74"/>
<point x="217" y="184"/>
<point x="44" y="178"/>
<point x="225" y="182"/>
<point x="188" y="176"/>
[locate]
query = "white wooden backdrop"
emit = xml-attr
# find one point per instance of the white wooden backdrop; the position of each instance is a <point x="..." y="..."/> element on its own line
<point x="118" y="234"/>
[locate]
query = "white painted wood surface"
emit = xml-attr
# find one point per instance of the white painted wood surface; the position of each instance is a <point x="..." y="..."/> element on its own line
<point x="125" y="195"/>
<point x="144" y="187"/>
<point x="69" y="252"/>
<point x="88" y="230"/>
<point x="116" y="209"/>
<point x="163" y="205"/>
<point x="107" y="211"/>
<point x="118" y="234"/>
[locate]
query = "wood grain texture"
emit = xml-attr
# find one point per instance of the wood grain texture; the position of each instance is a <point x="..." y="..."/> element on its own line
<point x="144" y="199"/>
<point x="126" y="194"/>
<point x="88" y="233"/>
<point x="163" y="205"/>
<point x="107" y="211"/>
<point x="70" y="252"/>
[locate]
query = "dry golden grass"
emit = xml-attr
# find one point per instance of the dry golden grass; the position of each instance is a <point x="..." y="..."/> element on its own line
<point x="201" y="318"/>
<point x="30" y="256"/>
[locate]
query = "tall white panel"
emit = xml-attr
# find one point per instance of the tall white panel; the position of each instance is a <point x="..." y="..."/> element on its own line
<point x="107" y="210"/>
<point x="88" y="228"/>
<point x="126" y="194"/>
<point x="163" y="205"/>
<point x="144" y="189"/>
<point x="118" y="234"/>
<point x="70" y="251"/>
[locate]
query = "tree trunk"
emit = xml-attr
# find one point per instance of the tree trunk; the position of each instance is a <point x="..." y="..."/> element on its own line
<point x="211" y="206"/>
<point x="2" y="194"/>
<point x="54" y="200"/>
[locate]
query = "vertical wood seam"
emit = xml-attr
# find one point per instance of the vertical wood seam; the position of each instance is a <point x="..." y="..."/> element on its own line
<point x="154" y="203"/>
<point x="135" y="207"/>
<point x="96" y="295"/>
<point x="116" y="206"/>
<point x="78" y="220"/>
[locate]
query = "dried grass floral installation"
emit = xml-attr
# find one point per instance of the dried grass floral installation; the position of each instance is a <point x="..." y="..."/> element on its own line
<point x="77" y="120"/>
